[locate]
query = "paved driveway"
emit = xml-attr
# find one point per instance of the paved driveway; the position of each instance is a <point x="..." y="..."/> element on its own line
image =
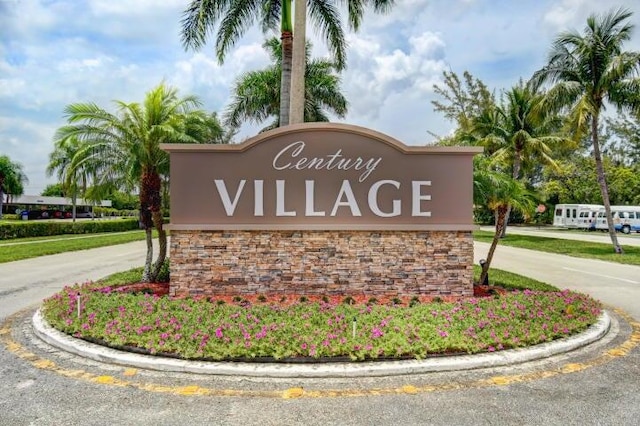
<point x="43" y="386"/>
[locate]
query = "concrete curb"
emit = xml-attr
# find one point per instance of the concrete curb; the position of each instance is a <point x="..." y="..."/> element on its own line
<point x="321" y="370"/>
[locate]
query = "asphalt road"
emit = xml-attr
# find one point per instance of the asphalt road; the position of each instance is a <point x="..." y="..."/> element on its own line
<point x="42" y="386"/>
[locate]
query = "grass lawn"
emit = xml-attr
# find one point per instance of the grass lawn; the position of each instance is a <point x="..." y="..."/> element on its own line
<point x="26" y="248"/>
<point x="573" y="248"/>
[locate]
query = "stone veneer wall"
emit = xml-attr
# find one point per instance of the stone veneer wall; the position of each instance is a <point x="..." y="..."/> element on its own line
<point x="322" y="262"/>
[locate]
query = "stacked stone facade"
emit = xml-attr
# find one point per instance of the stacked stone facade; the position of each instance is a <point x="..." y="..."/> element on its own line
<point x="392" y="263"/>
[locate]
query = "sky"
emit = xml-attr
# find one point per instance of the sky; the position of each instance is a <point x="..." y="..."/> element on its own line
<point x="57" y="52"/>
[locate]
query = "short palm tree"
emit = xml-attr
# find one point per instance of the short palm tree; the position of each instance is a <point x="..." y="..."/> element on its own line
<point x="517" y="133"/>
<point x="499" y="192"/>
<point x="589" y="70"/>
<point x="12" y="179"/>
<point x="256" y="93"/>
<point x="70" y="170"/>
<point x="234" y="17"/>
<point x="123" y="150"/>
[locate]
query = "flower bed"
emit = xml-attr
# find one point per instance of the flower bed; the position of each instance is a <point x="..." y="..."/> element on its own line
<point x="297" y="328"/>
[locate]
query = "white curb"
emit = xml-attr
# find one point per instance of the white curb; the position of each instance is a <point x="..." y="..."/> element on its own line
<point x="344" y="369"/>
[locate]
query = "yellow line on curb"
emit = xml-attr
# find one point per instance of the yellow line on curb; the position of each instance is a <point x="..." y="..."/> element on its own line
<point x="298" y="392"/>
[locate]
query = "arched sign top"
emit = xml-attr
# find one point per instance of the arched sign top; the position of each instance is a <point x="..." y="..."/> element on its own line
<point x="324" y="176"/>
<point x="346" y="131"/>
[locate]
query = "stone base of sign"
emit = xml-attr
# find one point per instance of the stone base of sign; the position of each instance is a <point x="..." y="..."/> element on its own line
<point x="392" y="263"/>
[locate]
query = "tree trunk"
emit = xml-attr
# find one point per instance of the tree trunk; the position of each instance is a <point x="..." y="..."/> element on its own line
<point x="149" y="204"/>
<point x="604" y="190"/>
<point x="296" y="112"/>
<point x="285" y="78"/>
<point x="74" y="201"/>
<point x="146" y="272"/>
<point x="162" y="244"/>
<point x="501" y="213"/>
<point x="516" y="176"/>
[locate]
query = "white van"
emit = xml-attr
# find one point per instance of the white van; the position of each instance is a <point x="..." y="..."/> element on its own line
<point x="587" y="218"/>
<point x="626" y="219"/>
<point x="575" y="215"/>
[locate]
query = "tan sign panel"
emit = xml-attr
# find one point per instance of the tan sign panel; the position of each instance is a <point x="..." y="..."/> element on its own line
<point x="321" y="176"/>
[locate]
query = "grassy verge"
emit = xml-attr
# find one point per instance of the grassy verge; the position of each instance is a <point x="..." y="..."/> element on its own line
<point x="41" y="246"/>
<point x="583" y="249"/>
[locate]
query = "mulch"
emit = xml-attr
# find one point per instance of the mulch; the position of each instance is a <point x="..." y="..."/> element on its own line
<point x="162" y="289"/>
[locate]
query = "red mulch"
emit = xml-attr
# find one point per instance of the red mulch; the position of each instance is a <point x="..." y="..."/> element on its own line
<point x="162" y="289"/>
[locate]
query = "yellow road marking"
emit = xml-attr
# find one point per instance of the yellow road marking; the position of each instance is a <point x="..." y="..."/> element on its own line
<point x="130" y="372"/>
<point x="20" y="351"/>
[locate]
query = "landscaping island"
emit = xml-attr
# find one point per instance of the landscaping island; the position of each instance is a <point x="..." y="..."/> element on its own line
<point x="286" y="328"/>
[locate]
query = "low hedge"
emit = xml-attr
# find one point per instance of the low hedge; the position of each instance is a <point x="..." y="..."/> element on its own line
<point x="45" y="229"/>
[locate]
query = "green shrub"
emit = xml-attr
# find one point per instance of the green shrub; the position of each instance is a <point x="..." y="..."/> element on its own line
<point x="45" y="229"/>
<point x="163" y="275"/>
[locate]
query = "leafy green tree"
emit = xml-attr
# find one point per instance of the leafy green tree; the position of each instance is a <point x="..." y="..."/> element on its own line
<point x="12" y="179"/>
<point x="625" y="132"/>
<point x="231" y="18"/>
<point x="121" y="200"/>
<point x="256" y="93"/>
<point x="499" y="192"/>
<point x="589" y="70"/>
<point x="53" y="190"/>
<point x="464" y="100"/>
<point x="123" y="150"/>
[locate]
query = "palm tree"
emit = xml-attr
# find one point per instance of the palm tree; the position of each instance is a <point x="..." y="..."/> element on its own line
<point x="499" y="192"/>
<point x="256" y="97"/>
<point x="517" y="132"/>
<point x="589" y="70"/>
<point x="123" y="149"/>
<point x="234" y="17"/>
<point x="12" y="179"/>
<point x="62" y="161"/>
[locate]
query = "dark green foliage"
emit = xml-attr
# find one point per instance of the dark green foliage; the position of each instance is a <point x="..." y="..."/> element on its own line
<point x="163" y="275"/>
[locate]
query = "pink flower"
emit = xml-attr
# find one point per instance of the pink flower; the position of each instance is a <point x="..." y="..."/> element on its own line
<point x="219" y="333"/>
<point x="376" y="332"/>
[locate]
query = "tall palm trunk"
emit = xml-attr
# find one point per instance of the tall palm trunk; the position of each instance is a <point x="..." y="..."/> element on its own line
<point x="286" y="37"/>
<point x="296" y="112"/>
<point x="501" y="213"/>
<point x="604" y="190"/>
<point x="285" y="78"/>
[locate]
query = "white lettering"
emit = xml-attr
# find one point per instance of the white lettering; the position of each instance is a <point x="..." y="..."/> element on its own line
<point x="310" y="199"/>
<point x="417" y="197"/>
<point x="229" y="207"/>
<point x="280" y="207"/>
<point x="290" y="158"/>
<point x="373" y="199"/>
<point x="345" y="190"/>
<point x="297" y="149"/>
<point x="258" y="201"/>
